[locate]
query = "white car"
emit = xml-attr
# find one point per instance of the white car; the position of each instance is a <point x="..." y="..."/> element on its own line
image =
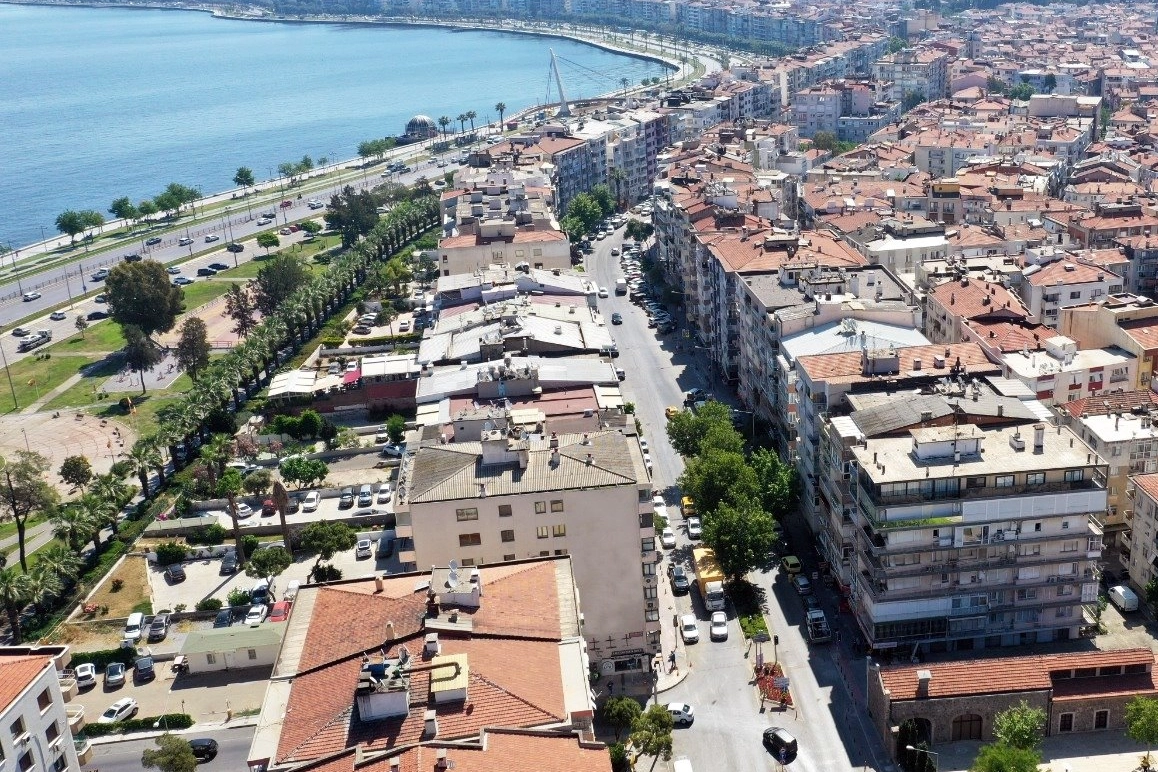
<point x="310" y="502"/>
<point x="694" y="528"/>
<point x="85" y="675"/>
<point x="603" y="293"/>
<point x="57" y="316"/>
<point x="719" y="627"/>
<point x="363" y="549"/>
<point x="667" y="538"/>
<point x="352" y="366"/>
<point x="211" y="238"/>
<point x="689" y="628"/>
<point x="119" y="711"/>
<point x="257" y="614"/>
<point x="172" y="270"/>
<point x="643" y="445"/>
<point x="384" y="492"/>
<point x="681" y="713"/>
<point x="244" y="510"/>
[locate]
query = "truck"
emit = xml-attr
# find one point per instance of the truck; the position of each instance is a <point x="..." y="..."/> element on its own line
<point x="621" y="286"/>
<point x="818" y="629"/>
<point x="709" y="578"/>
<point x="35" y="341"/>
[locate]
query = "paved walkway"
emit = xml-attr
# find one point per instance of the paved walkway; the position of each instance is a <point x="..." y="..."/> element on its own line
<point x="48" y="396"/>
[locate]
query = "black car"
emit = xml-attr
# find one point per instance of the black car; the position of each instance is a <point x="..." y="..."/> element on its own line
<point x="97" y="315"/>
<point x="780" y="744"/>
<point x="204" y="749"/>
<point x="229" y="564"/>
<point x="679" y="580"/>
<point x="175" y="573"/>
<point x="219" y="266"/>
<point x="235" y="247"/>
<point x="151" y="241"/>
<point x="206" y="272"/>
<point x="143" y="669"/>
<point x="346" y="500"/>
<point x="616" y="319"/>
<point x="134" y="257"/>
<point x="693" y="396"/>
<point x="224" y="618"/>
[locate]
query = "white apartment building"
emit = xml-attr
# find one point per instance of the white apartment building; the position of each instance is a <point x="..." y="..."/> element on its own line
<point x="1058" y="372"/>
<point x="1047" y="289"/>
<point x="36" y="727"/>
<point x="1143" y="538"/>
<point x="512" y="496"/>
<point x="971" y="538"/>
<point x="924" y="72"/>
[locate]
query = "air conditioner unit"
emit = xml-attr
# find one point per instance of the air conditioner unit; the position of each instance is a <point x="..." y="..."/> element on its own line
<point x="22" y="741"/>
<point x="651" y="605"/>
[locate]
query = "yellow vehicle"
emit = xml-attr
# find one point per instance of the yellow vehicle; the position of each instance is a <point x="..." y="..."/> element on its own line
<point x="688" y="506"/>
<point x="790" y="564"/>
<point x="670" y="411"/>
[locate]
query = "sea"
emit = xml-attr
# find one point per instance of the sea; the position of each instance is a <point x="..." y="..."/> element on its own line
<point x="99" y="103"/>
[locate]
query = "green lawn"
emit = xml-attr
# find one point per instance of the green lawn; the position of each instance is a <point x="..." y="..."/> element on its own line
<point x="9" y="529"/>
<point x="33" y="377"/>
<point x="100" y="337"/>
<point x="200" y="293"/>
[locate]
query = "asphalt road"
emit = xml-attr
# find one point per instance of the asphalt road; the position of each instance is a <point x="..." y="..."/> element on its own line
<point x="831" y="729"/>
<point x="232" y="751"/>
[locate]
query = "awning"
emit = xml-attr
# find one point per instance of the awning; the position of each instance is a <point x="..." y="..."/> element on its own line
<point x="351" y="376"/>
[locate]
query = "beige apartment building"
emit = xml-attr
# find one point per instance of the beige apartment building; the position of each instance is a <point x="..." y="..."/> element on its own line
<point x="37" y="726"/>
<point x="512" y="496"/>
<point x="971" y="538"/>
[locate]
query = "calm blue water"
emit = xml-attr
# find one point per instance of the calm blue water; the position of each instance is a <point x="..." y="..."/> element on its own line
<point x="97" y="103"/>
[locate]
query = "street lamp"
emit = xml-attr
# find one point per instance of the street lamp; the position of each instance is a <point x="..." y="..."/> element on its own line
<point x="936" y="756"/>
<point x="4" y="357"/>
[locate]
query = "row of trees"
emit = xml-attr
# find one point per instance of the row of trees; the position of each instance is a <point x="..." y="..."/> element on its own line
<point x="739" y="496"/>
<point x="586" y="210"/>
<point x="170" y="202"/>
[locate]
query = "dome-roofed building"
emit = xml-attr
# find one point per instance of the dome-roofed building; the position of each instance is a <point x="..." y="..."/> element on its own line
<point x="421" y="127"/>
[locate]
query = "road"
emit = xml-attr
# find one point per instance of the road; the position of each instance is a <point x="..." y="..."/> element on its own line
<point x="232" y="751"/>
<point x="832" y="732"/>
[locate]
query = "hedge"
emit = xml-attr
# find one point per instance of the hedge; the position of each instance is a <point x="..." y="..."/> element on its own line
<point x="168" y="721"/>
<point x="386" y="340"/>
<point x="103" y="657"/>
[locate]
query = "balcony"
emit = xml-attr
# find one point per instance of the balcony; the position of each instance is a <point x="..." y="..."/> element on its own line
<point x="1096" y="482"/>
<point x="75" y="714"/>
<point x="83" y="749"/>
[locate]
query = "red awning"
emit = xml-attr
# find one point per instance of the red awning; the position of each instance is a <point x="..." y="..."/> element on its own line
<point x="351" y="376"/>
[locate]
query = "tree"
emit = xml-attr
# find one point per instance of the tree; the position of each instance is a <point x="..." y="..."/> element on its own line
<point x="1142" y="721"/>
<point x="91" y="218"/>
<point x="779" y="483"/>
<point x="81" y="325"/>
<point x="243" y="177"/>
<point x="25" y="491"/>
<point x="267" y="241"/>
<point x="461" y="118"/>
<point x="584" y="209"/>
<point x="741" y="534"/>
<point x="824" y="140"/>
<point x="124" y="209"/>
<point x="257" y="483"/>
<point x="14" y="596"/>
<point x="304" y="471"/>
<point x="602" y="196"/>
<point x="70" y="223"/>
<point x="326" y="538"/>
<point x="638" y="230"/>
<point x="229" y="485"/>
<point x="1049" y="83"/>
<point x="141" y="295"/>
<point x="911" y="100"/>
<point x="276" y="281"/>
<point x="311" y="227"/>
<point x="141" y="354"/>
<point x="716" y="477"/>
<point x="1020" y="93"/>
<point x="396" y="428"/>
<point x="470" y="116"/>
<point x="914" y="760"/>
<point x="146" y="209"/>
<point x="76" y="471"/>
<point x="310" y="423"/>
<point x="651" y="733"/>
<point x="174" y="754"/>
<point x="620" y="713"/>
<point x="240" y="307"/>
<point x="268" y="563"/>
<point x="1020" y="726"/>
<point x="897" y="44"/>
<point x="74" y="525"/>
<point x="501" y="108"/>
<point x="687" y="430"/>
<point x="396" y="274"/>
<point x="193" y="346"/>
<point x="353" y="214"/>
<point x="999" y="757"/>
<point x="443" y="122"/>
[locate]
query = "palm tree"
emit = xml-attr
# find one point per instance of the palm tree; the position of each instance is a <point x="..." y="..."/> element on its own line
<point x="42" y="585"/>
<point x="461" y="118"/>
<point x="229" y="486"/>
<point x="14" y="596"/>
<point x="142" y="458"/>
<point x="501" y="108"/>
<point x="61" y="561"/>
<point x="470" y="116"/>
<point x="74" y="525"/>
<point x="625" y="82"/>
<point x="443" y="122"/>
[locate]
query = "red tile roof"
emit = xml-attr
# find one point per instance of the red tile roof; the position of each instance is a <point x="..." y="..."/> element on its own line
<point x="16" y="674"/>
<point x="848" y="367"/>
<point x="977" y="298"/>
<point x="1017" y="674"/>
<point x="1143" y="331"/>
<point x="1067" y="272"/>
<point x="1112" y="402"/>
<point x="1006" y="336"/>
<point x="1147" y="483"/>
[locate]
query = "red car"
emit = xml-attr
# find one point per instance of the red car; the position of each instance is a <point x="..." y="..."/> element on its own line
<point x="286" y="204"/>
<point x="280" y="611"/>
<point x="268" y="508"/>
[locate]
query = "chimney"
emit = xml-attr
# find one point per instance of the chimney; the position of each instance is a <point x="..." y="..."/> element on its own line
<point x="440" y="761"/>
<point x="430" y="646"/>
<point x="924" y="678"/>
<point x="590" y="459"/>
<point x="1039" y="438"/>
<point x="378" y="586"/>
<point x="429" y="724"/>
<point x="390" y="630"/>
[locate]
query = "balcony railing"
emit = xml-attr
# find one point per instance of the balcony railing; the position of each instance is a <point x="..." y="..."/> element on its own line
<point x="1096" y="482"/>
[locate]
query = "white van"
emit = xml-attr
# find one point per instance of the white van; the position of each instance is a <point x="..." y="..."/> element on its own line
<point x="133" y="627"/>
<point x="682" y="765"/>
<point x="1123" y="597"/>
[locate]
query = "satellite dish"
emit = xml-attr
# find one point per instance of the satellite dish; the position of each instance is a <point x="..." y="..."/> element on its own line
<point x="452" y="580"/>
<point x="453" y="566"/>
<point x="403" y="655"/>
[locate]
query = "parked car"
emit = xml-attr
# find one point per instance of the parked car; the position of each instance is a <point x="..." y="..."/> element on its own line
<point x="680" y="583"/>
<point x="159" y="627"/>
<point x="780" y="744"/>
<point x="85" y="675"/>
<point x="175" y="573"/>
<point x="268" y="508"/>
<point x="363" y="549"/>
<point x="361" y="329"/>
<point x="206" y="272"/>
<point x="58" y="316"/>
<point x="394" y="450"/>
<point x="280" y="611"/>
<point x="790" y="564"/>
<point x="667" y="538"/>
<point x="204" y="748"/>
<point x="695" y="530"/>
<point x="143" y="670"/>
<point x="310" y="503"/>
<point x="243" y="510"/>
<point x="346" y="499"/>
<point x="114" y="674"/>
<point x="224" y="618"/>
<point x="689" y="628"/>
<point x="257" y="614"/>
<point x="96" y="316"/>
<point x="682" y="714"/>
<point x="22" y="332"/>
<point x="802" y="585"/>
<point x="119" y="711"/>
<point x="385" y="491"/>
<point x="235" y="247"/>
<point x="719" y="626"/>
<point x="229" y="564"/>
<point x="219" y="266"/>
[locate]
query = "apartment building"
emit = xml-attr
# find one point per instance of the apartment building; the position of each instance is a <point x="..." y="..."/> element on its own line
<point x="971" y="538"/>
<point x="950" y="304"/>
<point x="914" y="71"/>
<point x="1049" y="288"/>
<point x="37" y="724"/>
<point x="510" y="496"/>
<point x="1129" y="322"/>
<point x="1057" y="371"/>
<point x="578" y="164"/>
<point x="1142" y="538"/>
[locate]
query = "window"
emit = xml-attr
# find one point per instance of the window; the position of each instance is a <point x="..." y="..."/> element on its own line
<point x="653" y="616"/>
<point x="1075" y="475"/>
<point x="1035" y="478"/>
<point x="540" y="507"/>
<point x="975" y="482"/>
<point x="508" y="557"/>
<point x="649" y="569"/>
<point x="1101" y="719"/>
<point x="44" y="700"/>
<point x="26" y="763"/>
<point x="647" y="545"/>
<point x="1070" y="546"/>
<point x="52" y="732"/>
<point x="544" y="553"/>
<point x="1037" y="527"/>
<point x="1003" y="481"/>
<point x="17" y="727"/>
<point x="1065" y="525"/>
<point x="508" y="535"/>
<point x="211" y="659"/>
<point x="469" y="513"/>
<point x="1027" y="594"/>
<point x="469" y="539"/>
<point x="1076" y="295"/>
<point x="561" y="552"/>
<point x="543" y="531"/>
<point x="252" y="653"/>
<point x="556" y="505"/>
<point x="468" y="562"/>
<point x="650" y="593"/>
<point x="504" y="510"/>
<point x="1066" y="724"/>
<point x="559" y="530"/>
